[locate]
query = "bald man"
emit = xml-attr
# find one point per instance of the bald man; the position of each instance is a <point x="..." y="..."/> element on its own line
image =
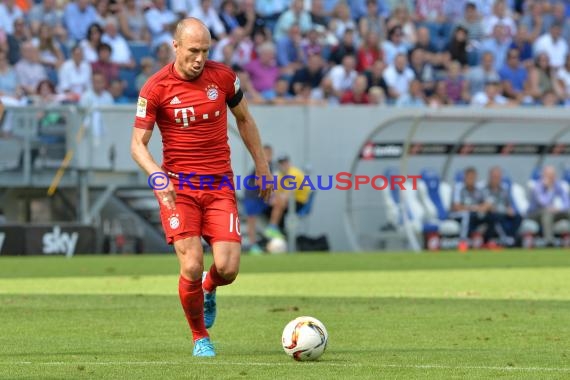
<point x="188" y="100"/>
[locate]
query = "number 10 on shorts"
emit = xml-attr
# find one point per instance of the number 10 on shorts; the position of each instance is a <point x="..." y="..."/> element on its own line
<point x="236" y="224"/>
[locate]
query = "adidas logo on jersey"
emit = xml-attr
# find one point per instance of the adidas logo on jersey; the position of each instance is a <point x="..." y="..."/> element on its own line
<point x="175" y="100"/>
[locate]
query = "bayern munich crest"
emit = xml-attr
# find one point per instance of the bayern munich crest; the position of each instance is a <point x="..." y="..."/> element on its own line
<point x="174" y="221"/>
<point x="212" y="92"/>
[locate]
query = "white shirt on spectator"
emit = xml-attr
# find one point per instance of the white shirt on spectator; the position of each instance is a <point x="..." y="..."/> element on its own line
<point x="210" y="18"/>
<point x="156" y="19"/>
<point x="490" y="22"/>
<point x="564" y="75"/>
<point x="398" y="81"/>
<point x="29" y="74"/>
<point x="73" y="78"/>
<point x="481" y="99"/>
<point x="341" y="79"/>
<point x="186" y="6"/>
<point x="242" y="52"/>
<point x="89" y="52"/>
<point x="556" y="51"/>
<point x="8" y="17"/>
<point x="120" y="50"/>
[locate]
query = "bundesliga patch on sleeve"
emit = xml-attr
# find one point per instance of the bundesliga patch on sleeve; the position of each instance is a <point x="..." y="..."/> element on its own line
<point x="141" y="107"/>
<point x="236" y="85"/>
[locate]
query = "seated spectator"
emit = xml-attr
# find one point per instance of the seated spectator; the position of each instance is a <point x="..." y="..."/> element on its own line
<point x="347" y="46"/>
<point x="433" y="16"/>
<point x="75" y="74"/>
<point x="239" y="51"/>
<point x="161" y="22"/>
<point x="93" y="98"/>
<point x="549" y="203"/>
<point x="563" y="77"/>
<point x="457" y="46"/>
<point x="542" y="78"/>
<point x="343" y="76"/>
<point x="104" y="65"/>
<point x="164" y="54"/>
<point x="503" y="220"/>
<point x="319" y="15"/>
<point x="377" y="96"/>
<point x="369" y="51"/>
<point x="310" y="75"/>
<point x="433" y="54"/>
<point x="117" y="91"/>
<point x="375" y="76"/>
<point x="549" y="99"/>
<point x="553" y="45"/>
<point x="9" y="13"/>
<point x="15" y="40"/>
<point x="472" y="22"/>
<point x="9" y="85"/>
<point x="209" y="16"/>
<point x="414" y="98"/>
<point x="29" y="70"/>
<point x="325" y="94"/>
<point x="440" y="97"/>
<point x="263" y="70"/>
<point x="228" y="13"/>
<point x="522" y="44"/>
<point x="454" y="83"/>
<point x="250" y="93"/>
<point x="372" y="22"/>
<point x="357" y="94"/>
<point x="296" y="14"/>
<point x="132" y="23"/>
<point x="90" y="44"/>
<point x="514" y="77"/>
<point x="477" y="76"/>
<point x="120" y="51"/>
<point x="534" y="21"/>
<point x="249" y="19"/>
<point x="500" y="16"/>
<point x="147" y="69"/>
<point x="468" y="206"/>
<point x="280" y="201"/>
<point x="47" y="12"/>
<point x="341" y="21"/>
<point x="491" y="97"/>
<point x="560" y="17"/>
<point x="422" y="69"/>
<point x="398" y="77"/>
<point x="498" y="43"/>
<point x="312" y="42"/>
<point x="77" y="17"/>
<point x="51" y="55"/>
<point x="290" y="55"/>
<point x="394" y="45"/>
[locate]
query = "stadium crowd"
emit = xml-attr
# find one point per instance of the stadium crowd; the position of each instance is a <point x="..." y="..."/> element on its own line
<point x="417" y="53"/>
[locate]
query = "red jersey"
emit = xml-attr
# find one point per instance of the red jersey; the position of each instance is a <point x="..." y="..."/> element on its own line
<point x="191" y="116"/>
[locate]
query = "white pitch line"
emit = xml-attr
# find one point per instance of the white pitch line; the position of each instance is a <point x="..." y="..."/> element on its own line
<point x="217" y="363"/>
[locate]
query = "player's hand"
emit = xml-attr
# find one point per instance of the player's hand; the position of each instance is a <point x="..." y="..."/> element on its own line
<point x="265" y="183"/>
<point x="167" y="196"/>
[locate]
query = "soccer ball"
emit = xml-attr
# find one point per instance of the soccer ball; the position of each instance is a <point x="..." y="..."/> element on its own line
<point x="276" y="245"/>
<point x="305" y="338"/>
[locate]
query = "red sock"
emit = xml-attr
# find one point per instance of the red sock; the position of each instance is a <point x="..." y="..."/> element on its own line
<point x="192" y="300"/>
<point x="213" y="280"/>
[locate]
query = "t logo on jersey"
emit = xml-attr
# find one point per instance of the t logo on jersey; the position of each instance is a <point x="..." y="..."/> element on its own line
<point x="185" y="119"/>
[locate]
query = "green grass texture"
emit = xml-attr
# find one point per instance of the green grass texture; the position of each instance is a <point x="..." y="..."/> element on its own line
<point x="479" y="315"/>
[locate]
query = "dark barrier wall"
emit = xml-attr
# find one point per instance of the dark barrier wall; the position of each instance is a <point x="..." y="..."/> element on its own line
<point x="58" y="239"/>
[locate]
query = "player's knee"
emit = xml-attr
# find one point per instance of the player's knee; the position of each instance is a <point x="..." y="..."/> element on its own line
<point x="228" y="273"/>
<point x="192" y="268"/>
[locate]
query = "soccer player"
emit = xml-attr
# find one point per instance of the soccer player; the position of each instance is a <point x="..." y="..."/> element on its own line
<point x="188" y="100"/>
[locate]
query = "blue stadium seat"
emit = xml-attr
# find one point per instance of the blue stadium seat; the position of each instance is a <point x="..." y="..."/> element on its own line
<point x="306" y="209"/>
<point x="139" y="50"/>
<point x="129" y="76"/>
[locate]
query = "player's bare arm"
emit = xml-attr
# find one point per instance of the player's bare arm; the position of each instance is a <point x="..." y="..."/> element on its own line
<point x="142" y="156"/>
<point x="250" y="135"/>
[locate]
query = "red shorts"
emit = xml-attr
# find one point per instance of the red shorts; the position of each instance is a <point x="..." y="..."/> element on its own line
<point x="211" y="214"/>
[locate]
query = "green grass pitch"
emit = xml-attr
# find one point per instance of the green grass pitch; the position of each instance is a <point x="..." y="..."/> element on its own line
<point x="479" y="315"/>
